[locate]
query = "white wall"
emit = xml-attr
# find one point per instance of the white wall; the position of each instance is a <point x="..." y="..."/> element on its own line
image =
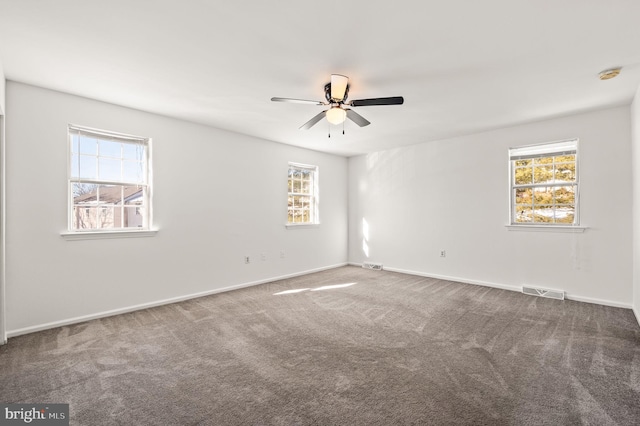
<point x="635" y="160"/>
<point x="453" y="195"/>
<point x="217" y="197"/>
<point x="3" y="337"/>
<point x="2" y="90"/>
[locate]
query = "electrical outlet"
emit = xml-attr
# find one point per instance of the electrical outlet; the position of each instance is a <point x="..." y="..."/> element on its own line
<point x="263" y="256"/>
<point x="282" y="254"/>
<point x="443" y="253"/>
<point x="247" y="259"/>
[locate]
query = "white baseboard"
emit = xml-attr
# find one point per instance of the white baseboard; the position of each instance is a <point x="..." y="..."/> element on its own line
<point x="569" y="296"/>
<point x="636" y="312"/>
<point x="104" y="314"/>
<point x="456" y="279"/>
<point x="597" y="301"/>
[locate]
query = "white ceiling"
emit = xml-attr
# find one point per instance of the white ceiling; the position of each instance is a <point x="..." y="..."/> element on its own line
<point x="463" y="66"/>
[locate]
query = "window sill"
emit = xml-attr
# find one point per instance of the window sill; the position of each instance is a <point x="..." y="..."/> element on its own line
<point x="100" y="235"/>
<point x="301" y="225"/>
<point x="546" y="228"/>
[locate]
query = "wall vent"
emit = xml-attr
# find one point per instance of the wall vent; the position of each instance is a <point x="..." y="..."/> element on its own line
<point x="542" y="292"/>
<point x="369" y="265"/>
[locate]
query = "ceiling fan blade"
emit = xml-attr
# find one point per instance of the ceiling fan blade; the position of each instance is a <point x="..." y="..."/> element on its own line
<point x="394" y="100"/>
<point x="297" y="101"/>
<point x="309" y="124"/>
<point x="338" y="86"/>
<point x="357" y="118"/>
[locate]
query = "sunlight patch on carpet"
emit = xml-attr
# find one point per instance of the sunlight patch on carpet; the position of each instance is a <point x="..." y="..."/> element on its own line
<point x="324" y="287"/>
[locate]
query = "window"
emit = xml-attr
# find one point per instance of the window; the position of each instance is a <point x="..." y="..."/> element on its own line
<point x="303" y="194"/>
<point x="109" y="185"/>
<point x="544" y="184"/>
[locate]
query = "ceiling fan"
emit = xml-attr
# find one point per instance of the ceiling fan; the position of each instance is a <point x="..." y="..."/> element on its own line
<point x="335" y="93"/>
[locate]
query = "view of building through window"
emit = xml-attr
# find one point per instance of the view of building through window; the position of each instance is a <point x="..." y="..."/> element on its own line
<point x="544" y="184"/>
<point x="108" y="180"/>
<point x="302" y="194"/>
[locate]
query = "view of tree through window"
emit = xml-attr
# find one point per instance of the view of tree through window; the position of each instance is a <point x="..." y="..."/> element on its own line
<point x="302" y="194"/>
<point x="544" y="184"/>
<point x="108" y="180"/>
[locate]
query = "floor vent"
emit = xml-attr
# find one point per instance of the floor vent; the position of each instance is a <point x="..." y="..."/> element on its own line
<point x="376" y="266"/>
<point x="552" y="294"/>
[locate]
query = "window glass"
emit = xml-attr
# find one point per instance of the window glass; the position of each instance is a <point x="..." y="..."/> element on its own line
<point x="108" y="181"/>
<point x="544" y="184"/>
<point x="302" y="204"/>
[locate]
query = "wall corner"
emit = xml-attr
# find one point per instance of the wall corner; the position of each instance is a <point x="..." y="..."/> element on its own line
<point x="635" y="171"/>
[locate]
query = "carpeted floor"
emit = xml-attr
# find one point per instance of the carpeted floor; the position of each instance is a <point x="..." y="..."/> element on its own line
<point x="341" y="347"/>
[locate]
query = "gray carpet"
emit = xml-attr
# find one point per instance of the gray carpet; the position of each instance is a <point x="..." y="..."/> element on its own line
<point x="388" y="349"/>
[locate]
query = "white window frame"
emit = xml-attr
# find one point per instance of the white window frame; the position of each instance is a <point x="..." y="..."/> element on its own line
<point x="549" y="149"/>
<point x="89" y="233"/>
<point x="314" y="218"/>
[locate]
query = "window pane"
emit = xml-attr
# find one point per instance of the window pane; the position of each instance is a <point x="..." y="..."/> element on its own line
<point x="84" y="192"/>
<point x="134" y="195"/>
<point x="88" y="145"/>
<point x="521" y="163"/>
<point x="133" y="171"/>
<point x="109" y="169"/>
<point x="565" y="172"/>
<point x="84" y="217"/>
<point x="543" y="214"/>
<point x="524" y="214"/>
<point x="523" y="176"/>
<point x="543" y="174"/>
<point x="110" y="149"/>
<point x="110" y="194"/>
<point x="565" y="159"/>
<point x="131" y="151"/>
<point x="543" y="195"/>
<point x="133" y="217"/>
<point x="565" y="195"/>
<point x="87" y="168"/>
<point x="107" y="216"/>
<point x="297" y="186"/>
<point x="565" y="214"/>
<point x="543" y="160"/>
<point x="306" y="187"/>
<point x="297" y="215"/>
<point x="524" y="195"/>
<point x="75" y="165"/>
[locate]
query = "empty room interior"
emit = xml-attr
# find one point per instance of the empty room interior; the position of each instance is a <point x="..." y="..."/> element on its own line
<point x="291" y="213"/>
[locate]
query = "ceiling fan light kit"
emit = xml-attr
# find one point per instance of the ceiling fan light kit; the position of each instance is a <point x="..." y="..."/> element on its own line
<point x="339" y="85"/>
<point x="336" y="115"/>
<point x="336" y="93"/>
